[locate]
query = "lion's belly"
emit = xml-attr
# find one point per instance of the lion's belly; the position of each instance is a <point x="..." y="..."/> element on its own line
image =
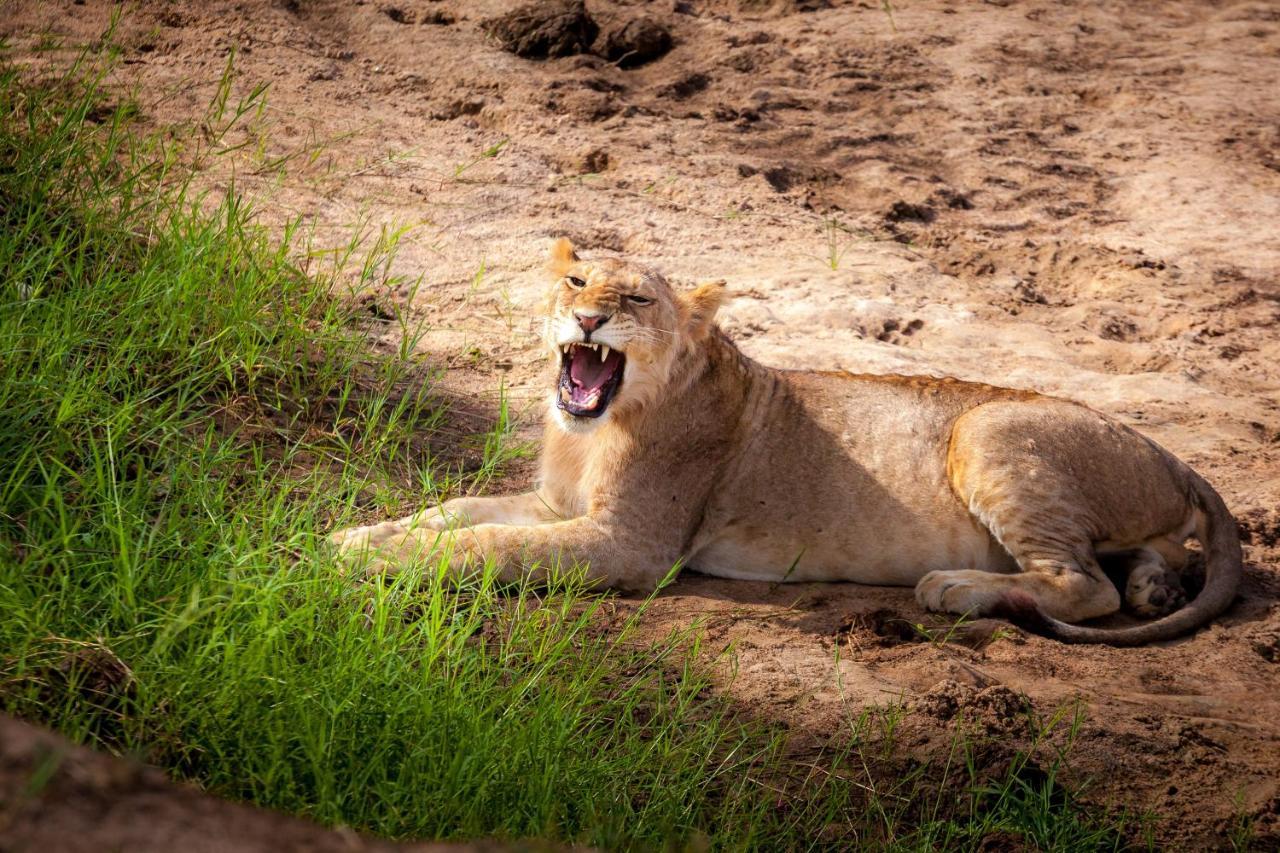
<point x="874" y="556"/>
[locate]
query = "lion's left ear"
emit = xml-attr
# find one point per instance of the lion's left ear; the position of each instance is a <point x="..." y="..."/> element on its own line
<point x="701" y="304"/>
<point x="562" y="257"/>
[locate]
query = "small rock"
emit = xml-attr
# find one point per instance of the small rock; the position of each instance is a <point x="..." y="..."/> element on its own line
<point x="584" y="104"/>
<point x="686" y="86"/>
<point x="588" y="161"/>
<point x="1267" y="645"/>
<point x="545" y="29"/>
<point x="328" y="72"/>
<point x="637" y="42"/>
<point x="459" y="108"/>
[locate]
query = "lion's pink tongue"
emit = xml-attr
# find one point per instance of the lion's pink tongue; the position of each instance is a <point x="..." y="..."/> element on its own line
<point x="588" y="372"/>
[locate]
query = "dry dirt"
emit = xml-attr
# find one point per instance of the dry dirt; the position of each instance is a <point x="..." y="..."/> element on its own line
<point x="59" y="798"/>
<point x="1077" y="197"/>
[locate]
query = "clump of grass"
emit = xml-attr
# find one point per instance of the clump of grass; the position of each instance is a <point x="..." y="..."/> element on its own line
<point x="183" y="413"/>
<point x="834" y="233"/>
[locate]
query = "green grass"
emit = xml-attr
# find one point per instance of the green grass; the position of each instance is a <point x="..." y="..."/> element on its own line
<point x="184" y="412"/>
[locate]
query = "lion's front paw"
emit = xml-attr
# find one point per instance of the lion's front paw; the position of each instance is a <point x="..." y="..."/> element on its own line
<point x="383" y="549"/>
<point x="964" y="592"/>
<point x="438" y="519"/>
<point x="357" y="539"/>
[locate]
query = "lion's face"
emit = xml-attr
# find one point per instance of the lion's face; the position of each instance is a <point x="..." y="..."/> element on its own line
<point x="616" y="331"/>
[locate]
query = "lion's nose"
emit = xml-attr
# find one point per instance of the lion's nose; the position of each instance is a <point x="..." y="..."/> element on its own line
<point x="590" y="322"/>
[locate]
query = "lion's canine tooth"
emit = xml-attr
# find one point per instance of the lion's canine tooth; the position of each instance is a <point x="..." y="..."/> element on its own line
<point x="604" y="353"/>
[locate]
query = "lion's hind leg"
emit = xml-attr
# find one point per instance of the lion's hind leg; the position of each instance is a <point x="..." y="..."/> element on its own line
<point x="1069" y="584"/>
<point x="1062" y="585"/>
<point x="1052" y="482"/>
<point x="1034" y="509"/>
<point x="1041" y="523"/>
<point x="1057" y="565"/>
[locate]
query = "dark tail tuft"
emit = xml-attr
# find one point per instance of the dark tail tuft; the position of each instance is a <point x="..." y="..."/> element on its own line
<point x="1021" y="609"/>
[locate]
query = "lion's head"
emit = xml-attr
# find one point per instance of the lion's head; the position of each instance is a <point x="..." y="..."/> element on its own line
<point x="619" y="333"/>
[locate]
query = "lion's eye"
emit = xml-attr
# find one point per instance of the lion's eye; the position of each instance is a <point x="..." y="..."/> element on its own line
<point x="575" y="282"/>
<point x="639" y="300"/>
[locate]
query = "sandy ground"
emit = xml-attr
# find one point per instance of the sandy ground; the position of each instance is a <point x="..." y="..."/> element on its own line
<point x="1077" y="197"/>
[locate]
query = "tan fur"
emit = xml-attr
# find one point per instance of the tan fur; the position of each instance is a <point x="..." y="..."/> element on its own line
<point x="987" y="500"/>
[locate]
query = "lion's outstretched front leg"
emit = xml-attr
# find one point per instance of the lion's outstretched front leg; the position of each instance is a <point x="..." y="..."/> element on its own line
<point x="525" y="509"/>
<point x="608" y="558"/>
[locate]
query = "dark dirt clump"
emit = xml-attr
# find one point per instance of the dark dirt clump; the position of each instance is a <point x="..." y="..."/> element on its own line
<point x="637" y="42"/>
<point x="57" y="796"/>
<point x="994" y="709"/>
<point x="545" y="30"/>
<point x="686" y="86"/>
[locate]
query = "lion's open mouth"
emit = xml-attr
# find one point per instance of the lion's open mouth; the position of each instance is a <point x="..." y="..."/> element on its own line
<point x="589" y="377"/>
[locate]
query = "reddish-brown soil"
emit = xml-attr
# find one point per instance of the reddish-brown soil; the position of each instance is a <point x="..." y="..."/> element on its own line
<point x="1077" y="197"/>
<point x="55" y="796"/>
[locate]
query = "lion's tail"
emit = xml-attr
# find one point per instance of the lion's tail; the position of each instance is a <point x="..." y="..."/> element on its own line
<point x="1220" y="539"/>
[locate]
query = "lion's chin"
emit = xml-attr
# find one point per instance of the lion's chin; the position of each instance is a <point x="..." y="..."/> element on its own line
<point x="574" y="424"/>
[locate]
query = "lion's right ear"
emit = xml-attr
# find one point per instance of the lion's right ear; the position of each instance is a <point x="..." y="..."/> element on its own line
<point x="562" y="257"/>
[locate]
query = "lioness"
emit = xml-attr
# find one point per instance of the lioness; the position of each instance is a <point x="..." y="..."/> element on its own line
<point x="664" y="443"/>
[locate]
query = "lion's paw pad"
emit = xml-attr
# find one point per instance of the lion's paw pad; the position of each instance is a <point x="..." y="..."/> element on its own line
<point x="1154" y="590"/>
<point x="365" y="538"/>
